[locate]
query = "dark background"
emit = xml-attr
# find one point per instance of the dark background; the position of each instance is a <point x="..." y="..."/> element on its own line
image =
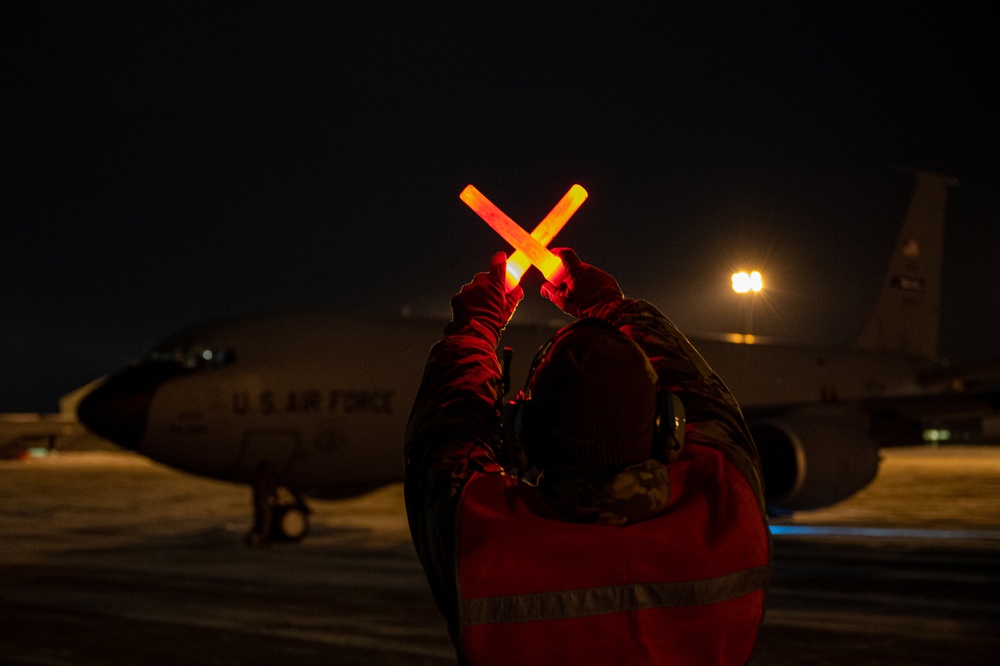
<point x="164" y="165"/>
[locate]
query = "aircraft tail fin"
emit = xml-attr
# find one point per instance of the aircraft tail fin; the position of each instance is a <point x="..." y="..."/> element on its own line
<point x="906" y="317"/>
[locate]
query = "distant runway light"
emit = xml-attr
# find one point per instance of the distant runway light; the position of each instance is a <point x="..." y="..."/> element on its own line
<point x="937" y="435"/>
<point x="744" y="282"/>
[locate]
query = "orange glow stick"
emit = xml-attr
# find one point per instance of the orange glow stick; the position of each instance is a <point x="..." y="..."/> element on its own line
<point x="546" y="230"/>
<point x="548" y="263"/>
<point x="530" y="249"/>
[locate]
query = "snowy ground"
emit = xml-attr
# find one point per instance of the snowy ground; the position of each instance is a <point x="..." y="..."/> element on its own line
<point x="109" y="558"/>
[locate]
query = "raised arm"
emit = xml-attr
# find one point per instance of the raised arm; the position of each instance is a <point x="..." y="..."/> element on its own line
<point x="454" y="422"/>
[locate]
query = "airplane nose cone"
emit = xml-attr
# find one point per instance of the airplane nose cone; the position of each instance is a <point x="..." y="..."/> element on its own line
<point x="118" y="409"/>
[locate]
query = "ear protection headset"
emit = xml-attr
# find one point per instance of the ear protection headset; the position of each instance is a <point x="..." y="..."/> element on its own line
<point x="668" y="430"/>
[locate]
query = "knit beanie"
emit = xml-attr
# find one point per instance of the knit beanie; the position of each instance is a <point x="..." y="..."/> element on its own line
<point x="592" y="402"/>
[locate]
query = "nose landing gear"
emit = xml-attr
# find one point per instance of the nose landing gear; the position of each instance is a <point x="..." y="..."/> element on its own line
<point x="280" y="513"/>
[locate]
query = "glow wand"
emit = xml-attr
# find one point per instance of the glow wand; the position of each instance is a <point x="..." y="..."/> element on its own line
<point x="546" y="230"/>
<point x="529" y="249"/>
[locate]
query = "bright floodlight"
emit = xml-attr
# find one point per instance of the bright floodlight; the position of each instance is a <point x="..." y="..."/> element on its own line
<point x="744" y="282"/>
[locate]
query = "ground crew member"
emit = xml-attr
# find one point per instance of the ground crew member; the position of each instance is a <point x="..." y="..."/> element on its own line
<point x="609" y="545"/>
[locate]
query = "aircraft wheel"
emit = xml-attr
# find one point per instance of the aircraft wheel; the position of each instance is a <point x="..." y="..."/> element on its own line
<point x="291" y="524"/>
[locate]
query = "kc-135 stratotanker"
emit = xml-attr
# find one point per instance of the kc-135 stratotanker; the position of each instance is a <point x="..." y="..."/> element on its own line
<point x="322" y="400"/>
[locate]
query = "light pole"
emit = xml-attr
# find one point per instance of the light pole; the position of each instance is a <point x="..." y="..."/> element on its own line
<point x="747" y="284"/>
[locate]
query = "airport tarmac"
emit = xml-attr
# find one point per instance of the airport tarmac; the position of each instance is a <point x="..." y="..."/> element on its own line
<point x="107" y="558"/>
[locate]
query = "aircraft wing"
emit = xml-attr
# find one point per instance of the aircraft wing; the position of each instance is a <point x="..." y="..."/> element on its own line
<point x="966" y="376"/>
<point x="19" y="432"/>
<point x="945" y="415"/>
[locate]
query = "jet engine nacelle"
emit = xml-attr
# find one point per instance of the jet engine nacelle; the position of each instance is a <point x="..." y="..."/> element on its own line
<point x="814" y="457"/>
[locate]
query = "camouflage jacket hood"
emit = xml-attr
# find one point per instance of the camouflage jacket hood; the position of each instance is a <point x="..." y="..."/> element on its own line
<point x="612" y="497"/>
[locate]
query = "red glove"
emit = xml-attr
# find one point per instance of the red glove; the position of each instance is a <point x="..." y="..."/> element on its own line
<point x="582" y="290"/>
<point x="484" y="304"/>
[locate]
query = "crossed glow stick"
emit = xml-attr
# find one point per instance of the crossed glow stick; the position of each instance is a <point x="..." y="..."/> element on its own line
<point x="529" y="248"/>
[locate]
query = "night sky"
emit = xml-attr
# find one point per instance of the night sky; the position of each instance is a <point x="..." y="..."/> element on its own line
<point x="165" y="165"/>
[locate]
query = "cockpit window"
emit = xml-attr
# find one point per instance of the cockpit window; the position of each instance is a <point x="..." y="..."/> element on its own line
<point x="192" y="357"/>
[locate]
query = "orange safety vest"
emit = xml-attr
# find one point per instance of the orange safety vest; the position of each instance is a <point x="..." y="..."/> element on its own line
<point x="685" y="587"/>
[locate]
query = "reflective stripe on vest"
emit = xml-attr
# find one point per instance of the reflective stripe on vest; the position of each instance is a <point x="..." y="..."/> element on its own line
<point x="618" y="598"/>
<point x="685" y="587"/>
